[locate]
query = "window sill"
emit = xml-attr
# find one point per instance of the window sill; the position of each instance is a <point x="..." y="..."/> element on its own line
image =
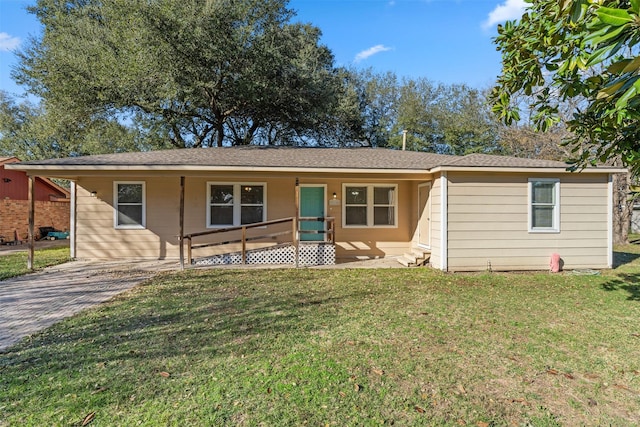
<point x="216" y="227"/>
<point x="368" y="226"/>
<point x="130" y="227"/>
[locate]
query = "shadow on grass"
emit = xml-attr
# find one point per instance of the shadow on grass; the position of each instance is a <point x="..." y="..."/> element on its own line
<point x="623" y="258"/>
<point x="627" y="282"/>
<point x="200" y="316"/>
<point x="626" y="278"/>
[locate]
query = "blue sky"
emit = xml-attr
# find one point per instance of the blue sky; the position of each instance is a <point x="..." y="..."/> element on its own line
<point x="447" y="41"/>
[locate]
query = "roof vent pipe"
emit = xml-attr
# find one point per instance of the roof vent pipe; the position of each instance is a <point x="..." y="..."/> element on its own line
<point x="404" y="140"/>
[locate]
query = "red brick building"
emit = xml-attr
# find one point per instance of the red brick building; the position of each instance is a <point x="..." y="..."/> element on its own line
<point x="51" y="203"/>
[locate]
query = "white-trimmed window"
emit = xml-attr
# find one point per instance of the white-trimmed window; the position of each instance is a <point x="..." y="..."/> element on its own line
<point x="370" y="205"/>
<point x="231" y="204"/>
<point x="544" y="205"/>
<point x="129" y="203"/>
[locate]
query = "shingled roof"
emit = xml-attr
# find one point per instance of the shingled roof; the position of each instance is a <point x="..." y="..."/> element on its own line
<point x="4" y="160"/>
<point x="485" y="160"/>
<point x="294" y="157"/>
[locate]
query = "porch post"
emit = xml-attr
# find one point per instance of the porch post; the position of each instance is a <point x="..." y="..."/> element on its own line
<point x="181" y="237"/>
<point x="32" y="207"/>
<point x="296" y="238"/>
<point x="72" y="220"/>
<point x="244" y="245"/>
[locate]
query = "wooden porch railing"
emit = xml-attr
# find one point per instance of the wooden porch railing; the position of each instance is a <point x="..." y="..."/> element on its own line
<point x="295" y="231"/>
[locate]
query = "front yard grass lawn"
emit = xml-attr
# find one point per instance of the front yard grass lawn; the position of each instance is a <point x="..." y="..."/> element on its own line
<point x="340" y="347"/>
<point x="16" y="264"/>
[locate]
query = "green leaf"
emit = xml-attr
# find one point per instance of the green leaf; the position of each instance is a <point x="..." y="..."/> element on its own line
<point x="609" y="90"/>
<point x="603" y="35"/>
<point x="633" y="65"/>
<point x="635" y="6"/>
<point x="600" y="55"/>
<point x="630" y="93"/>
<point x="613" y="16"/>
<point x="576" y="10"/>
<point x="618" y="67"/>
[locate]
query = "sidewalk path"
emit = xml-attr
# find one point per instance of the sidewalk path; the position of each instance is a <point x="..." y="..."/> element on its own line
<point x="36" y="301"/>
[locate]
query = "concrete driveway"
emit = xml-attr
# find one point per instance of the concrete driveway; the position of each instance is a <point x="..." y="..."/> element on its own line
<point x="36" y="301"/>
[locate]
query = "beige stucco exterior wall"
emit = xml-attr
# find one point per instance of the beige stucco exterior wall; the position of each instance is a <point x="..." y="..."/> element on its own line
<point x="96" y="237"/>
<point x="488" y="223"/>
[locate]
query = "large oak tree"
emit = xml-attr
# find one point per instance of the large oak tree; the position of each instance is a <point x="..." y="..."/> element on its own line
<point x="198" y="72"/>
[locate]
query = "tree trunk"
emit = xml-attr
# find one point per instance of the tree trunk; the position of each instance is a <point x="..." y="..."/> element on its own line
<point x="219" y="133"/>
<point x="622" y="208"/>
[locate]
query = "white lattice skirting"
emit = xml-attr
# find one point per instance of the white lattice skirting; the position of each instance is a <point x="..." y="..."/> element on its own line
<point x="310" y="254"/>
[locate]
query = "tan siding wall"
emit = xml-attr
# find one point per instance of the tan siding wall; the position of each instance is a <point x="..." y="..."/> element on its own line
<point x="436" y="209"/>
<point x="96" y="236"/>
<point x="488" y="223"/>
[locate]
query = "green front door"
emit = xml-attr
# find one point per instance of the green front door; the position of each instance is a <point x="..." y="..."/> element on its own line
<point x="311" y="205"/>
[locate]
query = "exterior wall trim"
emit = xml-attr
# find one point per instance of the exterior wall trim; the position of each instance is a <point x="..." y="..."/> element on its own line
<point x="610" y="208"/>
<point x="556" y="202"/>
<point x="370" y="199"/>
<point x="236" y="208"/>
<point x="444" y="207"/>
<point x="142" y="226"/>
<point x="429" y="212"/>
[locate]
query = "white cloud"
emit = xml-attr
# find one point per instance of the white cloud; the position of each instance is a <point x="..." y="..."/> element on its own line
<point x="370" y="52"/>
<point x="510" y="9"/>
<point x="8" y="43"/>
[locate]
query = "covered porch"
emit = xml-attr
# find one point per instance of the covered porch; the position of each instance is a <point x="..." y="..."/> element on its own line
<point x="310" y="220"/>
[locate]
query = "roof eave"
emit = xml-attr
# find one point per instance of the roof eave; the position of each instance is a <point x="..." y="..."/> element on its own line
<point x="521" y="169"/>
<point x="34" y="169"/>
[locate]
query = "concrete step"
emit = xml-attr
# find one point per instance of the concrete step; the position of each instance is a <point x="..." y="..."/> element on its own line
<point x="417" y="257"/>
<point x="420" y="253"/>
<point x="407" y="262"/>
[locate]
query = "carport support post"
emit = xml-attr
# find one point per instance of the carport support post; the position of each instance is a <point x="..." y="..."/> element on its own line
<point x="32" y="207"/>
<point x="181" y="237"/>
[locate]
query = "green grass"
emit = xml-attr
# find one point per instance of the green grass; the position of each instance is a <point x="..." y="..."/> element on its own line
<point x="340" y="347"/>
<point x="16" y="264"/>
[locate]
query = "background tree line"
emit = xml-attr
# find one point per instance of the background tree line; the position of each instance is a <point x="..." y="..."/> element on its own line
<point x="114" y="75"/>
<point x="369" y="110"/>
<point x="124" y="75"/>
